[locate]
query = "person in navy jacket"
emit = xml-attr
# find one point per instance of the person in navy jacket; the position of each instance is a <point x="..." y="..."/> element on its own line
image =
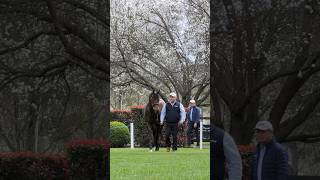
<point x="271" y="159"/>
<point x="173" y="114"/>
<point x="193" y="122"/>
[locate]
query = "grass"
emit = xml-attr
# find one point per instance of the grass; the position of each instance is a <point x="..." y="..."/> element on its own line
<point x="140" y="164"/>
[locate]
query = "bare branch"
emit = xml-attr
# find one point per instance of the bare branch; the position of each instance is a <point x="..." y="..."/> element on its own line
<point x="288" y="125"/>
<point x="305" y="138"/>
<point x="94" y="13"/>
<point x="50" y="70"/>
<point x="96" y="64"/>
<point x="29" y="40"/>
<point x="197" y="5"/>
<point x="271" y="79"/>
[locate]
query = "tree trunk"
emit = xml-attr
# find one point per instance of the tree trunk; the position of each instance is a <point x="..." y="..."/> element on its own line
<point x="250" y="120"/>
<point x="242" y="123"/>
<point x="185" y="98"/>
<point x="30" y="137"/>
<point x="236" y="129"/>
<point x="216" y="117"/>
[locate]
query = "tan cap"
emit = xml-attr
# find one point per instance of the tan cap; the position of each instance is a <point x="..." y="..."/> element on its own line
<point x="173" y="94"/>
<point x="192" y="101"/>
<point x="264" y="125"/>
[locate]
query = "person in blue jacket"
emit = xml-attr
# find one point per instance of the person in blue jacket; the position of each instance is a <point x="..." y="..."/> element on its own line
<point x="193" y="122"/>
<point x="270" y="160"/>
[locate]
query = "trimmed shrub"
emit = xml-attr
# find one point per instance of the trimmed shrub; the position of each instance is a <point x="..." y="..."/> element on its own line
<point x="30" y="166"/>
<point x="141" y="134"/>
<point x="88" y="159"/>
<point x="121" y="116"/>
<point x="119" y="134"/>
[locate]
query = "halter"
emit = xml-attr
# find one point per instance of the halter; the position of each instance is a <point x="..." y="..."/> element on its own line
<point x="154" y="103"/>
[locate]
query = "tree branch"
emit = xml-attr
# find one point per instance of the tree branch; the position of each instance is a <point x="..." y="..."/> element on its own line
<point x="271" y="79"/>
<point x="305" y="138"/>
<point x="27" y="41"/>
<point x="50" y="70"/>
<point x="94" y="13"/>
<point x="288" y="125"/>
<point x="72" y="51"/>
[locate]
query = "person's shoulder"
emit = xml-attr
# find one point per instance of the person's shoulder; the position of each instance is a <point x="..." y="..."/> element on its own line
<point x="217" y="130"/>
<point x="162" y="102"/>
<point x="278" y="147"/>
<point x="226" y="134"/>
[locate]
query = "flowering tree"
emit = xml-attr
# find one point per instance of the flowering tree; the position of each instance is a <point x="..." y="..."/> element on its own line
<point x="162" y="45"/>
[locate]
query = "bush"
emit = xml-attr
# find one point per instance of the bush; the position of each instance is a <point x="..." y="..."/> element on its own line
<point x="141" y="134"/>
<point x="119" y="134"/>
<point x="88" y="159"/>
<point x="32" y="166"/>
<point x="121" y="116"/>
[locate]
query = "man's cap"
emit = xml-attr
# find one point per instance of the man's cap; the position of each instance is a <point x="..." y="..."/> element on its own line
<point x="264" y="125"/>
<point x="173" y="94"/>
<point x="192" y="101"/>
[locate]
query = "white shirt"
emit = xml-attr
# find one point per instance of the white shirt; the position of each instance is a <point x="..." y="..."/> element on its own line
<point x="260" y="160"/>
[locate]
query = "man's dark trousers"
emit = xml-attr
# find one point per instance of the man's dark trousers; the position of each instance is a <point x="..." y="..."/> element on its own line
<point x="190" y="131"/>
<point x="171" y="129"/>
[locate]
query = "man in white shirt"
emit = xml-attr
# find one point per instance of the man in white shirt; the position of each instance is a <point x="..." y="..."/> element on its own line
<point x="173" y="114"/>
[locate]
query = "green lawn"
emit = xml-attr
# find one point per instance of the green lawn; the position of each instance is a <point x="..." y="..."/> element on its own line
<point x="140" y="164"/>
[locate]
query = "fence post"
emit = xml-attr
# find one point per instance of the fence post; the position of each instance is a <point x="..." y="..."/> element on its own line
<point x="201" y="129"/>
<point x="131" y="136"/>
<point x="201" y="133"/>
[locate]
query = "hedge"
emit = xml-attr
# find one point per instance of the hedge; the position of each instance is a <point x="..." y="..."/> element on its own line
<point x="141" y="135"/>
<point x="123" y="116"/>
<point x="88" y="159"/>
<point x="32" y="166"/>
<point x="85" y="159"/>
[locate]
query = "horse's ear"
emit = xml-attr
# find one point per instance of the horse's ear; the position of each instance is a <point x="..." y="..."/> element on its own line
<point x="158" y="91"/>
<point x="152" y="91"/>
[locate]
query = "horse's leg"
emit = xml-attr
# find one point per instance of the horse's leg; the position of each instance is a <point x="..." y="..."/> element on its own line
<point x="157" y="137"/>
<point x="159" y="133"/>
<point x="150" y="133"/>
<point x="154" y="133"/>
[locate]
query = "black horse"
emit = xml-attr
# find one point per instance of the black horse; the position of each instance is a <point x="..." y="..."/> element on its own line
<point x="152" y="117"/>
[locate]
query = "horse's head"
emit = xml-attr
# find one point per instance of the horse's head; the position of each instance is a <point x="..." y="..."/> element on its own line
<point x="154" y="99"/>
